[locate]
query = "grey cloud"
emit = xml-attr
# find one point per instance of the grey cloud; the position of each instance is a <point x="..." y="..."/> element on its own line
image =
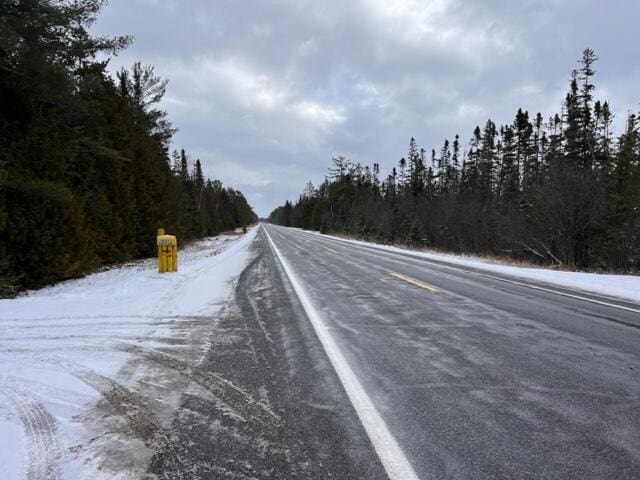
<point x="264" y="92"/>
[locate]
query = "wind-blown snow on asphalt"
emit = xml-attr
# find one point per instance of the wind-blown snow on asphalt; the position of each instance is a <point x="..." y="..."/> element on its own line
<point x="63" y="348"/>
<point x="626" y="287"/>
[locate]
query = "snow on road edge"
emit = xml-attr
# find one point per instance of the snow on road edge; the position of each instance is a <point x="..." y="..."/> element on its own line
<point x="55" y="339"/>
<point x="624" y="287"/>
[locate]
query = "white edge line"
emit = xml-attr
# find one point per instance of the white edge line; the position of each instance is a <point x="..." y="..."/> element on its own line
<point x="459" y="268"/>
<point x="556" y="292"/>
<point x="391" y="455"/>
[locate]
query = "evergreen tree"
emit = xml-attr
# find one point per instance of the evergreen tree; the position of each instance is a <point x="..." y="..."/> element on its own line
<point x="85" y="174"/>
<point x="622" y="235"/>
<point x="470" y="165"/>
<point x="184" y="166"/>
<point x="559" y="191"/>
<point x="573" y="133"/>
<point x="509" y="175"/>
<point x="526" y="166"/>
<point x="487" y="161"/>
<point x="403" y="178"/>
<point x="454" y="176"/>
<point x="444" y="169"/>
<point x="416" y="169"/>
<point x="198" y="177"/>
<point x="585" y="98"/>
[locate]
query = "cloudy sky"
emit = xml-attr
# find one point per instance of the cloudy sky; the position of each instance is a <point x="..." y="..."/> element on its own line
<point x="265" y="92"/>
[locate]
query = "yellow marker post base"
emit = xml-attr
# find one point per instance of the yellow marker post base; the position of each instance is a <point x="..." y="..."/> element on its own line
<point x="167" y="252"/>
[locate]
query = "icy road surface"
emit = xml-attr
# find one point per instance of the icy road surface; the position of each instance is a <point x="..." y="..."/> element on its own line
<point x="474" y="376"/>
<point x="623" y="287"/>
<point x="75" y="357"/>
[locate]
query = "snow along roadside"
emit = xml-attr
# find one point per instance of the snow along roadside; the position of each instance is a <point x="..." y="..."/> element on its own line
<point x="624" y="287"/>
<point x="61" y="352"/>
<point x="391" y="455"/>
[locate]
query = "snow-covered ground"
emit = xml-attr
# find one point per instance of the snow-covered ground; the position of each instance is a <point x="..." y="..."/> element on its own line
<point x="72" y="361"/>
<point x="626" y="287"/>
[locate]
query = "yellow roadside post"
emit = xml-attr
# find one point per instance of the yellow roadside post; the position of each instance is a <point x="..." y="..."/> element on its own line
<point x="167" y="252"/>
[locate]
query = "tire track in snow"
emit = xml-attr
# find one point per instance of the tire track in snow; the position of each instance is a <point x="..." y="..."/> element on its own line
<point x="39" y="426"/>
<point x="132" y="407"/>
<point x="233" y="396"/>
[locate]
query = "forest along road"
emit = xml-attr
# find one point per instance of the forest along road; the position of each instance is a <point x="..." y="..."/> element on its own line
<point x="454" y="374"/>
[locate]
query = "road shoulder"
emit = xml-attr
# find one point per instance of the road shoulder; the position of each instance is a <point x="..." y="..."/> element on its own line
<point x="292" y="418"/>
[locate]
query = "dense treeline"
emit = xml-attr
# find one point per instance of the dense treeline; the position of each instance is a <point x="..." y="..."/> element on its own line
<point x="557" y="191"/>
<point x="85" y="173"/>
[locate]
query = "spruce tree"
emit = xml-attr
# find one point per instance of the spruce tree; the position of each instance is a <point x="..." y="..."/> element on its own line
<point x="509" y="176"/>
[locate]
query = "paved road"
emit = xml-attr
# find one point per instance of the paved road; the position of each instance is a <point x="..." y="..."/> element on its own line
<point x="264" y="402"/>
<point x="474" y="376"/>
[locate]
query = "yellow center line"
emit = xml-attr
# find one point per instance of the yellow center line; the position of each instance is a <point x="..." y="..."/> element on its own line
<point x="415" y="282"/>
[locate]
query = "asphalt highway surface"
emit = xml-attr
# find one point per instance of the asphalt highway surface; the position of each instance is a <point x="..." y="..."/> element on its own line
<point x="462" y="374"/>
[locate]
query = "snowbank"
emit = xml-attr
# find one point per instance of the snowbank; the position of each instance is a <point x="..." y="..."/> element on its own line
<point x="61" y="348"/>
